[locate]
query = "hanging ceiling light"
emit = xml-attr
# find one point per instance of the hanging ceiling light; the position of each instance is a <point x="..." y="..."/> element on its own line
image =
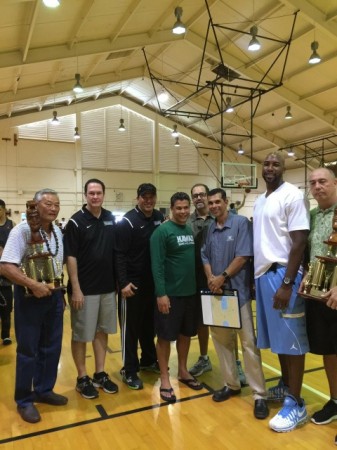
<point x="77" y="86"/>
<point x="121" y="125"/>
<point x="163" y="96"/>
<point x="55" y="120"/>
<point x="291" y="152"/>
<point x="229" y="107"/>
<point x="178" y="27"/>
<point x="314" y="58"/>
<point x="288" y="113"/>
<point x="51" y="3"/>
<point x="177" y="144"/>
<point x="175" y="132"/>
<point x="76" y="134"/>
<point x="254" y="44"/>
<point x="241" y="150"/>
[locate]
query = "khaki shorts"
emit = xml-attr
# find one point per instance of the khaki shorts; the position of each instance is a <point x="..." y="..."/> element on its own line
<point x="99" y="314"/>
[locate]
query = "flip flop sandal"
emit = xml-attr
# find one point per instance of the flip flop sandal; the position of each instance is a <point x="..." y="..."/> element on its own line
<point x="192" y="383"/>
<point x="171" y="399"/>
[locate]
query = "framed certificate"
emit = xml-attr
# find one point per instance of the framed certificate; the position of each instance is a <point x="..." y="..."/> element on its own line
<point x="221" y="310"/>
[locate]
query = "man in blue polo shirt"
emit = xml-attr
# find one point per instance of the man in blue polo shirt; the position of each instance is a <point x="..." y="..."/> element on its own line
<point x="225" y="255"/>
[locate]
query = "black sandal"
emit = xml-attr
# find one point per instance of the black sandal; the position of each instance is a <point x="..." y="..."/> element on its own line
<point x="171" y="399"/>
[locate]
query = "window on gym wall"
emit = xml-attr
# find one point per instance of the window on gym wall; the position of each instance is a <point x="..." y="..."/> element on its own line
<point x="105" y="147"/>
<point x="182" y="159"/>
<point x="44" y="130"/>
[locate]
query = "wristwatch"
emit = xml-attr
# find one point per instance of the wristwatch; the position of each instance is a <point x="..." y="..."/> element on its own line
<point x="288" y="281"/>
<point x="225" y="274"/>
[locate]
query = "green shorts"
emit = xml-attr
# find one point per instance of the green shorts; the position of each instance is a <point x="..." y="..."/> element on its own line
<point x="99" y="314"/>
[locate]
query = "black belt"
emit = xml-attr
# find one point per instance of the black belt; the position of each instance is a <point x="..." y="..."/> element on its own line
<point x="273" y="267"/>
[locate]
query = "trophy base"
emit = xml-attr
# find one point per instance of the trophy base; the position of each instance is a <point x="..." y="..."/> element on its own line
<point x="314" y="294"/>
<point x="328" y="259"/>
<point x="55" y="285"/>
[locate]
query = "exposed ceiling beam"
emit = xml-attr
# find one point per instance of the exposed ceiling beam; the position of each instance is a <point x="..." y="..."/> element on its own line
<point x="128" y="13"/>
<point x="94" y="47"/>
<point x="314" y="14"/>
<point x="37" y="92"/>
<point x="36" y="8"/>
<point x="85" y="10"/>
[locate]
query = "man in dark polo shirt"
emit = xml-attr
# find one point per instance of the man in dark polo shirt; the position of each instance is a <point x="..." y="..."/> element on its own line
<point x="136" y="296"/>
<point x="199" y="221"/>
<point x="89" y="251"/>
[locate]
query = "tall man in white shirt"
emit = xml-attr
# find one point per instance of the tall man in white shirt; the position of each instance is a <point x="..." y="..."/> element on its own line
<point x="281" y="227"/>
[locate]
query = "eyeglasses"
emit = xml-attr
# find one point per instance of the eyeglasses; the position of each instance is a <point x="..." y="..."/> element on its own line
<point x="200" y="194"/>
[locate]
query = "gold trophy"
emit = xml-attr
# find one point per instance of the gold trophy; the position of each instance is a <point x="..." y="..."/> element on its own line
<point x="39" y="264"/>
<point x="322" y="273"/>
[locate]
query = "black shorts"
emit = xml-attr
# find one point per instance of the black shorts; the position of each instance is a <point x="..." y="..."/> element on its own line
<point x="182" y="319"/>
<point x="321" y="328"/>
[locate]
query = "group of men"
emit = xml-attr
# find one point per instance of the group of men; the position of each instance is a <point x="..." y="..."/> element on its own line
<point x="159" y="269"/>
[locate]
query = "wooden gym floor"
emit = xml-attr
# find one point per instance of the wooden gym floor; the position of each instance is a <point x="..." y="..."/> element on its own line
<point x="140" y="420"/>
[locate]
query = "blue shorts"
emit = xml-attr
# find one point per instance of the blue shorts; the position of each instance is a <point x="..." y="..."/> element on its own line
<point x="284" y="332"/>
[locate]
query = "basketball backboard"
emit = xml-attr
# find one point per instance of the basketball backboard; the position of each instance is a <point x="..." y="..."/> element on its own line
<point x="238" y="176"/>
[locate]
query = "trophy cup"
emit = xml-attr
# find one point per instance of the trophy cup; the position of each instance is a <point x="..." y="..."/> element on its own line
<point x="322" y="273"/>
<point x="39" y="264"/>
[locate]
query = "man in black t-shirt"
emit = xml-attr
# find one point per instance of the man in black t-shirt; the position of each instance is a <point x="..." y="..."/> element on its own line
<point x="136" y="296"/>
<point x="89" y="250"/>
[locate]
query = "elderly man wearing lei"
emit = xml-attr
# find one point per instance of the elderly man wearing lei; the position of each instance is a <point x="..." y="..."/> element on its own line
<point x="39" y="316"/>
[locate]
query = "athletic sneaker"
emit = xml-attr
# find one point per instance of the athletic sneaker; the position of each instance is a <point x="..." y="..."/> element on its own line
<point x="290" y="416"/>
<point x="132" y="380"/>
<point x="201" y="366"/>
<point x="241" y="373"/>
<point x="151" y="368"/>
<point x="85" y="387"/>
<point x="102" y="380"/>
<point x="7" y="341"/>
<point x="326" y="415"/>
<point x="278" y="393"/>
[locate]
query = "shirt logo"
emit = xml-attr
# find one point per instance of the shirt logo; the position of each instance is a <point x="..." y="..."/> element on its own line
<point x="185" y="240"/>
<point x="230" y="239"/>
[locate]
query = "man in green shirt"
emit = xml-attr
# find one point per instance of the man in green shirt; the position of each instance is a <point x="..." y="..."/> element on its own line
<point x="173" y="269"/>
<point x="322" y="317"/>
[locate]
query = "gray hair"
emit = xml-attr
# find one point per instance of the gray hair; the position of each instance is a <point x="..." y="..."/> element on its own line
<point x="329" y="171"/>
<point x="39" y="194"/>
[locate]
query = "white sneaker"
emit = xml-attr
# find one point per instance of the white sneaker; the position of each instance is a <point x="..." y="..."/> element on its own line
<point x="290" y="416"/>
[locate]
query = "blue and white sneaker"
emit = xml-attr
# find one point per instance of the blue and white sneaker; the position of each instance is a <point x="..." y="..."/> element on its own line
<point x="290" y="416"/>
